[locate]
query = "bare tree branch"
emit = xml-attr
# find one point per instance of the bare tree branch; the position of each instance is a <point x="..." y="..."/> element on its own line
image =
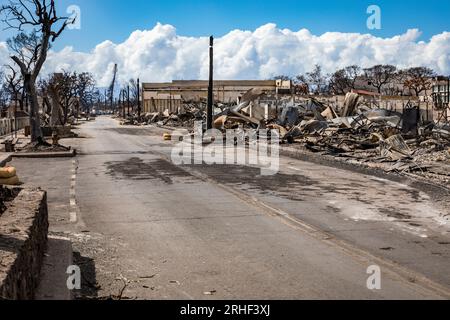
<point x="31" y="48"/>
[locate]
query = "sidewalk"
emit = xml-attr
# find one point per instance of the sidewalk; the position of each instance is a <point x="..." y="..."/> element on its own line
<point x="24" y="141"/>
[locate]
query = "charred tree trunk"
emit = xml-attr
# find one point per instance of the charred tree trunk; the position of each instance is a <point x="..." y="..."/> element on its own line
<point x="35" y="123"/>
<point x="55" y="114"/>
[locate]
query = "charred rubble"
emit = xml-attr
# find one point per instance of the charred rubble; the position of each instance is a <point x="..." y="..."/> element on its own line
<point x="393" y="141"/>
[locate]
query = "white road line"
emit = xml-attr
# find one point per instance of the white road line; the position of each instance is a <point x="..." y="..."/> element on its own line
<point x="73" y="201"/>
<point x="73" y="216"/>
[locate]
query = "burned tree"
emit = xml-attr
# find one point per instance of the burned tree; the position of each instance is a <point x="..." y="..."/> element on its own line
<point x="300" y="79"/>
<point x="344" y="80"/>
<point x="13" y="86"/>
<point x="134" y="93"/>
<point x="418" y="79"/>
<point x="68" y="91"/>
<point x="85" y="90"/>
<point x="352" y="74"/>
<point x="3" y="91"/>
<point x="282" y="77"/>
<point x="38" y="25"/>
<point x="61" y="90"/>
<point x="317" y="81"/>
<point x="301" y="85"/>
<point x="380" y="76"/>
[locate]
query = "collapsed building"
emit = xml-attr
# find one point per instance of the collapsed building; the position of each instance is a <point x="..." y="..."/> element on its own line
<point x="358" y="128"/>
<point x="158" y="97"/>
<point x="403" y="134"/>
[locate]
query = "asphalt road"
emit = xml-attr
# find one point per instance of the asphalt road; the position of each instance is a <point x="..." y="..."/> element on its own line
<point x="143" y="227"/>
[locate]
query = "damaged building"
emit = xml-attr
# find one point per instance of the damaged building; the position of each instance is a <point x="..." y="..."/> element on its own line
<point x="158" y="97"/>
<point x="441" y="97"/>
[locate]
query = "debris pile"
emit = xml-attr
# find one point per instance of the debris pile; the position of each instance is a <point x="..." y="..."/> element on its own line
<point x="395" y="142"/>
<point x="377" y="137"/>
<point x="184" y="117"/>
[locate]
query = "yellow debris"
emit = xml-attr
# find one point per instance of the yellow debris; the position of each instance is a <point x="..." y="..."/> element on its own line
<point x="13" y="181"/>
<point x="7" y="172"/>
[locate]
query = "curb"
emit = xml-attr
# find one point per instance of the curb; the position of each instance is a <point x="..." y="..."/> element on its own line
<point x="435" y="190"/>
<point x="4" y="159"/>
<point x="45" y="155"/>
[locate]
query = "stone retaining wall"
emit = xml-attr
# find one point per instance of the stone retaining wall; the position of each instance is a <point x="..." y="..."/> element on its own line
<point x="23" y="241"/>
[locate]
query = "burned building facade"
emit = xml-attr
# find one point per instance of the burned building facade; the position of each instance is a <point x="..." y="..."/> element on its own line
<point x="441" y="91"/>
<point x="158" y="97"/>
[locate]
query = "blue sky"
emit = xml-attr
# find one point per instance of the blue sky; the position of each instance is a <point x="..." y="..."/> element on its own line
<point x="160" y="54"/>
<point x="116" y="19"/>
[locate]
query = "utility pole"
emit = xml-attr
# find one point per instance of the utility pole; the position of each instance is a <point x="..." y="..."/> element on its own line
<point x="209" y="111"/>
<point x="139" y="98"/>
<point x="105" y="104"/>
<point x="123" y="103"/>
<point x="128" y="99"/>
<point x="111" y="87"/>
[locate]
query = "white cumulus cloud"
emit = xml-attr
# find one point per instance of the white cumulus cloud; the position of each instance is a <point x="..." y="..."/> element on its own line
<point x="160" y="54"/>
